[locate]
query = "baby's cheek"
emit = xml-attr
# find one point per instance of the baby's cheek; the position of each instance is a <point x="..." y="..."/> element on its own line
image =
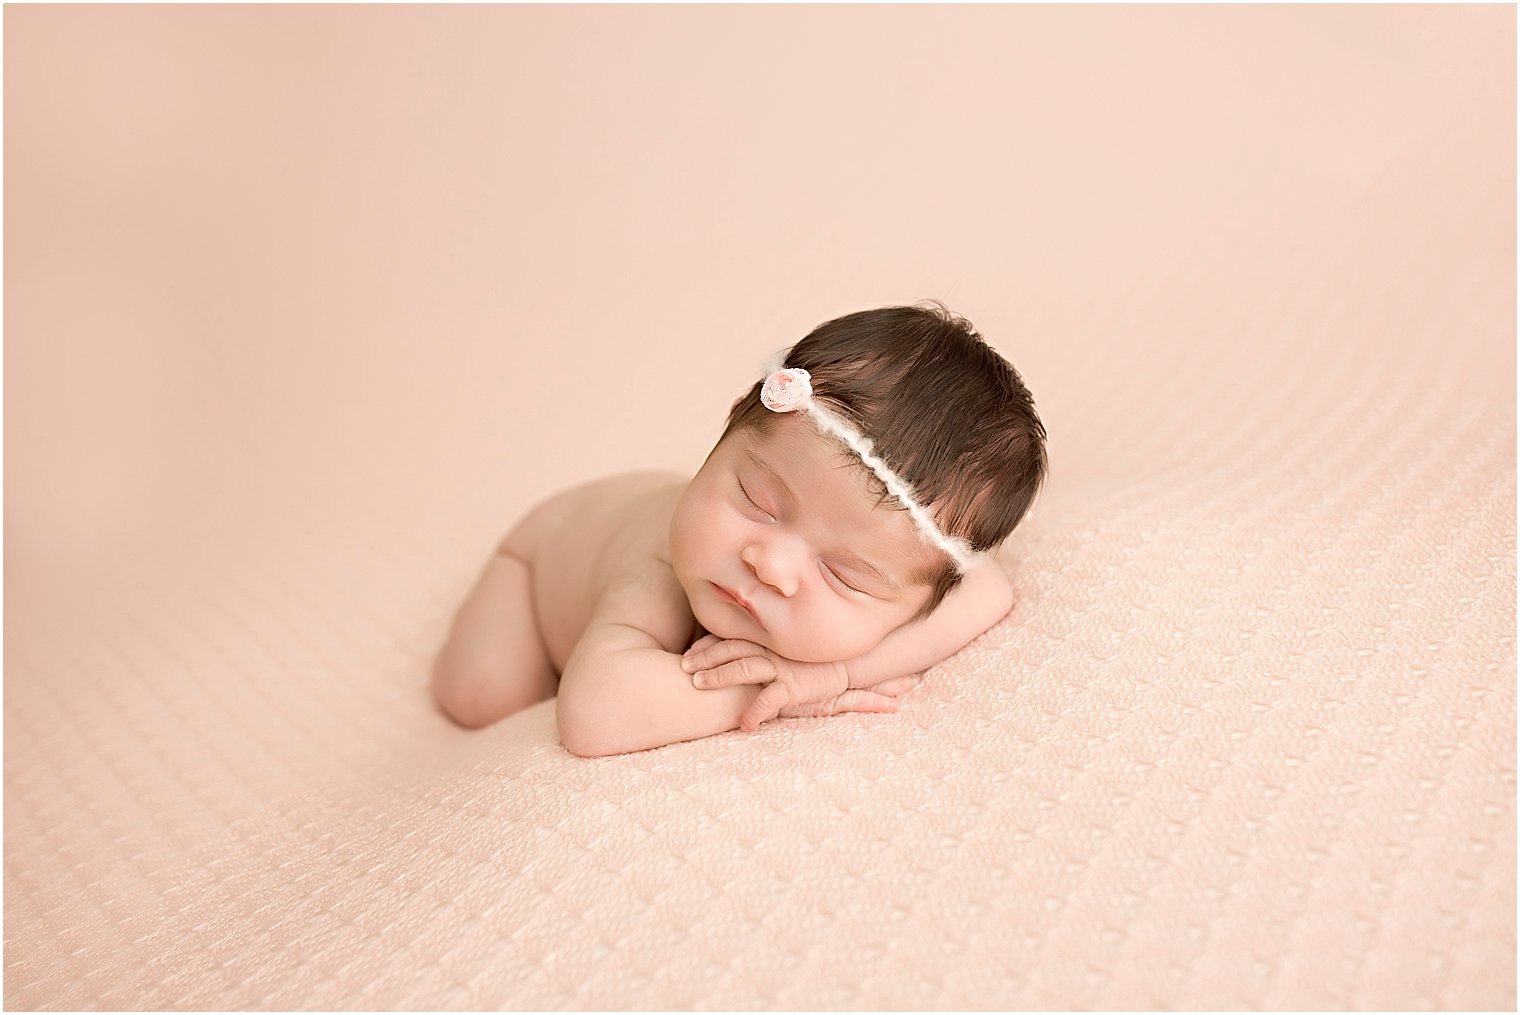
<point x="720" y="623"/>
<point x="835" y="640"/>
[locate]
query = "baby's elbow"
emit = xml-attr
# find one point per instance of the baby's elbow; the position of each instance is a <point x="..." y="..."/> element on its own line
<point x="1004" y="599"/>
<point x="995" y="590"/>
<point x="574" y="733"/>
<point x="583" y="734"/>
<point x="582" y="746"/>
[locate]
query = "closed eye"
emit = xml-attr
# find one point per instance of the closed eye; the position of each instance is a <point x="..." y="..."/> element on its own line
<point x="834" y="575"/>
<point x="751" y="500"/>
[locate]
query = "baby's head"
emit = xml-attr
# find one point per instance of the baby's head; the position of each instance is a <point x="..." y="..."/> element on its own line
<point x="787" y="537"/>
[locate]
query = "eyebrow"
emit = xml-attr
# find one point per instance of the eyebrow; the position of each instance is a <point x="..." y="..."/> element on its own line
<point x="775" y="477"/>
<point x="847" y="557"/>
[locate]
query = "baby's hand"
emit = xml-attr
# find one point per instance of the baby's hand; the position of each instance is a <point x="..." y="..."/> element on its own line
<point x="880" y="698"/>
<point x="792" y="689"/>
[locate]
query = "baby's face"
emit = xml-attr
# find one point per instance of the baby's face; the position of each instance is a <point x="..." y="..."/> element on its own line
<point x="780" y="540"/>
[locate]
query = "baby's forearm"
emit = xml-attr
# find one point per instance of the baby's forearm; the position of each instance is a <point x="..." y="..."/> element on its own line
<point x="618" y="699"/>
<point x="982" y="598"/>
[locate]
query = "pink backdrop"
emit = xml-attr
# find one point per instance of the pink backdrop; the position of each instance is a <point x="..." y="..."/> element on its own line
<point x="304" y="305"/>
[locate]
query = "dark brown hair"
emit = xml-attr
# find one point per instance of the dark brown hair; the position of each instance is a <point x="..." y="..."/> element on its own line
<point x="942" y="408"/>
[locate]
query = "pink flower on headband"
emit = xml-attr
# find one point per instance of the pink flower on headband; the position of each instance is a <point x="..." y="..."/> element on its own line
<point x="786" y="390"/>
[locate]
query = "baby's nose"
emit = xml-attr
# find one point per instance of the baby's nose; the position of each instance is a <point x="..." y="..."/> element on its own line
<point x="771" y="566"/>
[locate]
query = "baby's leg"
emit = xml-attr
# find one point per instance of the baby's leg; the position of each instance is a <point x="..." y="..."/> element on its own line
<point x="494" y="662"/>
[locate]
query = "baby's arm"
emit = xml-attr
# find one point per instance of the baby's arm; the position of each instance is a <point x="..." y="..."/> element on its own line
<point x="623" y="688"/>
<point x="981" y="599"/>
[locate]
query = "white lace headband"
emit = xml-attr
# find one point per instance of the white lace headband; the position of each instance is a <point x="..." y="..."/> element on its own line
<point x="786" y="390"/>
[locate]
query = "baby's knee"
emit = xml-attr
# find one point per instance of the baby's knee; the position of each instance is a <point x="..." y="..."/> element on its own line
<point x="524" y="538"/>
<point x="476" y="689"/>
<point x="468" y="690"/>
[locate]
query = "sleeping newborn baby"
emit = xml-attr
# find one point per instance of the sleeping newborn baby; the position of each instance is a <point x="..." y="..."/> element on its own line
<point x="837" y="542"/>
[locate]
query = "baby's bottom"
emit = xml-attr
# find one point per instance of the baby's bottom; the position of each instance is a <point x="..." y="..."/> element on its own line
<point x="494" y="662"/>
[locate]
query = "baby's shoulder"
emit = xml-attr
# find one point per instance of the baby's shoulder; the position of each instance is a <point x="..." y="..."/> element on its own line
<point x="589" y="515"/>
<point x="611" y="553"/>
<point x="580" y="540"/>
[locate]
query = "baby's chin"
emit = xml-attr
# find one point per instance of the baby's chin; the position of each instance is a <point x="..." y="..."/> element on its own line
<point x="717" y="622"/>
<point x="723" y="626"/>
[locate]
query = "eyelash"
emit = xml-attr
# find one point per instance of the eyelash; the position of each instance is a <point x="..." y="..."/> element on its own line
<point x="828" y="571"/>
<point x="751" y="500"/>
<point x="834" y="575"/>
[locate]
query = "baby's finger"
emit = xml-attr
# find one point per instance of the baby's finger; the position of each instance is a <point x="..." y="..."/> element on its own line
<point x="896" y="686"/>
<point x="704" y="642"/>
<point x="766" y="706"/>
<point x="715" y="655"/>
<point x="749" y="670"/>
<point x="860" y="700"/>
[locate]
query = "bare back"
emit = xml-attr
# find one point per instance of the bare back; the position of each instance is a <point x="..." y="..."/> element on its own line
<point x="581" y="539"/>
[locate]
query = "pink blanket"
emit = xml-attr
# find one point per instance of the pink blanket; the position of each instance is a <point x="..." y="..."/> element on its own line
<point x="305" y="305"/>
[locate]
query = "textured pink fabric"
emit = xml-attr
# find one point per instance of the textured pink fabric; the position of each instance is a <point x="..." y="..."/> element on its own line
<point x="305" y="305"/>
